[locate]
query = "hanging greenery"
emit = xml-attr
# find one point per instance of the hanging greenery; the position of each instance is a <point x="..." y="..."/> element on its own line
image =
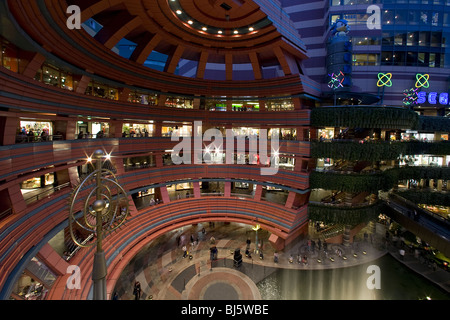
<point x="352" y="182"/>
<point x="353" y="150"/>
<point x="376" y="150"/>
<point x="426" y="197"/>
<point x="365" y="117"/>
<point x="344" y="215"/>
<point x="434" y="124"/>
<point x="374" y="182"/>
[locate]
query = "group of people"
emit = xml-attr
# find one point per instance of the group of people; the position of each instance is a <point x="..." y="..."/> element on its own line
<point x="312" y="245"/>
<point x="300" y="259"/>
<point x="34" y="135"/>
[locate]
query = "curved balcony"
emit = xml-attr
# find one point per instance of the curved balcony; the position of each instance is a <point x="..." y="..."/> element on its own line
<point x="23" y="159"/>
<point x="47" y="26"/>
<point x="19" y="93"/>
<point x="141" y="228"/>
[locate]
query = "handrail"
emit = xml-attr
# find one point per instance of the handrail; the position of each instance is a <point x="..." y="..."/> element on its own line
<point x="36" y="197"/>
<point x="33" y="139"/>
<point x="5" y="213"/>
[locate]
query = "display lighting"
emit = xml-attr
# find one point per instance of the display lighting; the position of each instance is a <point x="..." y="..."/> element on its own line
<point x="410" y="96"/>
<point x="336" y="80"/>
<point x="384" y="79"/>
<point x="422" y="80"/>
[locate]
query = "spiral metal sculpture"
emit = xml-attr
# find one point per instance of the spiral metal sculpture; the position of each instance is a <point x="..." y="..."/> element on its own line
<point x="105" y="205"/>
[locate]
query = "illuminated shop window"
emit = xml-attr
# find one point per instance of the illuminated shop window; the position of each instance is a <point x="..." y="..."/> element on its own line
<point x="279" y="105"/>
<point x="143" y="98"/>
<point x="97" y="89"/>
<point x="137" y="130"/>
<point x="34" y="283"/>
<point x="179" y="102"/>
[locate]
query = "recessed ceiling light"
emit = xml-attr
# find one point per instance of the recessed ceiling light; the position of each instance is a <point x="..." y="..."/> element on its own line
<point x="204" y="28"/>
<point x="190" y="22"/>
<point x="251" y="29"/>
<point x="236" y="32"/>
<point x="219" y="32"/>
<point x="179" y="12"/>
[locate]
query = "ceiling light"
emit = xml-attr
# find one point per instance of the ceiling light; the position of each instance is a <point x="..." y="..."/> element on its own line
<point x="219" y="32"/>
<point x="179" y="12"/>
<point x="204" y="28"/>
<point x="190" y="22"/>
<point x="236" y="32"/>
<point x="251" y="29"/>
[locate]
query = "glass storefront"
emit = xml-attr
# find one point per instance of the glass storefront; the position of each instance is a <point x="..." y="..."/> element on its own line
<point x="179" y="102"/>
<point x="34" y="283"/>
<point x="36" y="131"/>
<point x="39" y="182"/>
<point x="143" y="98"/>
<point x="137" y="130"/>
<point x="279" y="105"/>
<point x="182" y="131"/>
<point x="56" y="77"/>
<point x="101" y="90"/>
<point x="92" y="130"/>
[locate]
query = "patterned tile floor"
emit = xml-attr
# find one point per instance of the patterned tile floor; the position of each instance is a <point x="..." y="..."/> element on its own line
<point x="165" y="275"/>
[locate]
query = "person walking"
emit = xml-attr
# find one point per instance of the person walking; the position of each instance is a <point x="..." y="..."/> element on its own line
<point x="137" y="290"/>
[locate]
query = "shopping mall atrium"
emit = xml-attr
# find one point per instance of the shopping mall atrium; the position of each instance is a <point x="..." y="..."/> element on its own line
<point x="167" y="149"/>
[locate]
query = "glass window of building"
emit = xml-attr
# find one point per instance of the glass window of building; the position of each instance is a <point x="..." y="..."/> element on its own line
<point x="365" y="41"/>
<point x="413" y="17"/>
<point x="422" y="59"/>
<point x="435" y="21"/>
<point x="399" y="58"/>
<point x="387" y="58"/>
<point x="401" y="17"/>
<point x="436" y="40"/>
<point x="424" y="39"/>
<point x="424" y="19"/>
<point x="446" y="19"/>
<point x="360" y="59"/>
<point x="400" y="39"/>
<point x="388" y="39"/>
<point x="412" y="38"/>
<point x="388" y="17"/>
<point x="411" y="58"/>
<point x="373" y="59"/>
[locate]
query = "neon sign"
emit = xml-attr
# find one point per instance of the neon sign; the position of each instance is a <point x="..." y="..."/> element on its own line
<point x="411" y="97"/>
<point x="384" y="80"/>
<point x="422" y="80"/>
<point x="433" y="98"/>
<point x="336" y="80"/>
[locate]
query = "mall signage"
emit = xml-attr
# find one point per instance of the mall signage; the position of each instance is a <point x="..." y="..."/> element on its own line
<point x="432" y="98"/>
